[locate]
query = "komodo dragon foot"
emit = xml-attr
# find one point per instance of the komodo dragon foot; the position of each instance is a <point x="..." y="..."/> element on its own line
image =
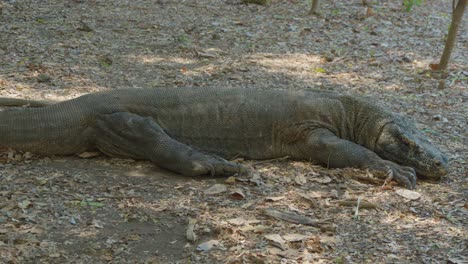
<point x="339" y="153"/>
<point x="132" y="136"/>
<point x="402" y="174"/>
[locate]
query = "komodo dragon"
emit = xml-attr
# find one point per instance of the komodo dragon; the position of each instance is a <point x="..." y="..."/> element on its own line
<point x="192" y="131"/>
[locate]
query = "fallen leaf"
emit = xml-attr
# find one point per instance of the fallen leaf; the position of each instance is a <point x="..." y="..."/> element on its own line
<point x="277" y="240"/>
<point x="242" y="221"/>
<point x="255" y="229"/>
<point x="290" y="254"/>
<point x="274" y="199"/>
<point x="134" y="237"/>
<point x="314" y="194"/>
<point x="256" y="179"/>
<point x="92" y="204"/>
<point x="207" y="55"/>
<point x="300" y="179"/>
<point x="294" y="237"/>
<point x="230" y="180"/>
<point x="291" y="217"/>
<point x="216" y="189"/>
<point x="160" y="208"/>
<point x="237" y="194"/>
<point x="320" y="70"/>
<point x="408" y="194"/>
<point x="206" y="246"/>
<point x="324" y="179"/>
<point x="190" y="234"/>
<point x="24" y="204"/>
<point x="458" y="260"/>
<point x="97" y="223"/>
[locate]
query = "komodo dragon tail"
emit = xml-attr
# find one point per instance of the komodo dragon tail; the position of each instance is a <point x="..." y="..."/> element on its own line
<point x="15" y="102"/>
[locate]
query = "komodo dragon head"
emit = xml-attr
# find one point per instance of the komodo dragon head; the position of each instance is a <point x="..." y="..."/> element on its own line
<point x="401" y="142"/>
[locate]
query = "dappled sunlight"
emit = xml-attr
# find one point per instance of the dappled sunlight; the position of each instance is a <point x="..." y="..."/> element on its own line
<point x="103" y="209"/>
<point x="294" y="64"/>
<point x="33" y="90"/>
<point x="402" y="222"/>
<point x="162" y="61"/>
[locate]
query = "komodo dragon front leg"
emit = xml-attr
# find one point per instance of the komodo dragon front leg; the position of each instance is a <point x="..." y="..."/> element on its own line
<point x="132" y="136"/>
<point x="325" y="147"/>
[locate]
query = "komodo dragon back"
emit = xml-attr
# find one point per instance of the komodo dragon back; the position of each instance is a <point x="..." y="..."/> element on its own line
<point x="193" y="131"/>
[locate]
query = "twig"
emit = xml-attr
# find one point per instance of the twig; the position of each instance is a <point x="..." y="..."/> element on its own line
<point x="292" y="217"/>
<point x="356" y="212"/>
<point x="367" y="179"/>
<point x="117" y="197"/>
<point x="389" y="177"/>
<point x="363" y="204"/>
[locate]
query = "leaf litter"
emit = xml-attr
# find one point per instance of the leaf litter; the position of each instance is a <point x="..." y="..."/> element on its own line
<point x="95" y="209"/>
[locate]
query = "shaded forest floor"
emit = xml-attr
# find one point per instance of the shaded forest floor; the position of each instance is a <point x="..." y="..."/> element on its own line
<point x="98" y="210"/>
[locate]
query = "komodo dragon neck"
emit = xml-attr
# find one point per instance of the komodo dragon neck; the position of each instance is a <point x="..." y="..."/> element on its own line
<point x="363" y="121"/>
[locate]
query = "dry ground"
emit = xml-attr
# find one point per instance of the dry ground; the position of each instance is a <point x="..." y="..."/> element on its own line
<point x="74" y="210"/>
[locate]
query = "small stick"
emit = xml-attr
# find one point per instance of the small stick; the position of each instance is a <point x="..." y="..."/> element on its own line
<point x="363" y="204"/>
<point x="389" y="177"/>
<point x="356" y="213"/>
<point x="291" y="217"/>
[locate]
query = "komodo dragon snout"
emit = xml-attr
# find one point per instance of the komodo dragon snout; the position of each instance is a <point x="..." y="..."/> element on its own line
<point x="401" y="142"/>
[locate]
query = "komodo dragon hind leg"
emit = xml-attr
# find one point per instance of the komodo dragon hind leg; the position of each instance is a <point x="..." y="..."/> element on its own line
<point x="128" y="135"/>
<point x="324" y="146"/>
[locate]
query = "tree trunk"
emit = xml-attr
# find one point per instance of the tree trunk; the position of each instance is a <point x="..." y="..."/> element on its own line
<point x="452" y="35"/>
<point x="313" y="9"/>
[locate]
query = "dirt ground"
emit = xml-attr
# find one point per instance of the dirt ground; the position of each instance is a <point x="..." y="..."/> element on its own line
<point x="103" y="210"/>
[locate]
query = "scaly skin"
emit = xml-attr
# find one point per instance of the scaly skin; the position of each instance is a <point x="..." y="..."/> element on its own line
<point x="176" y="128"/>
